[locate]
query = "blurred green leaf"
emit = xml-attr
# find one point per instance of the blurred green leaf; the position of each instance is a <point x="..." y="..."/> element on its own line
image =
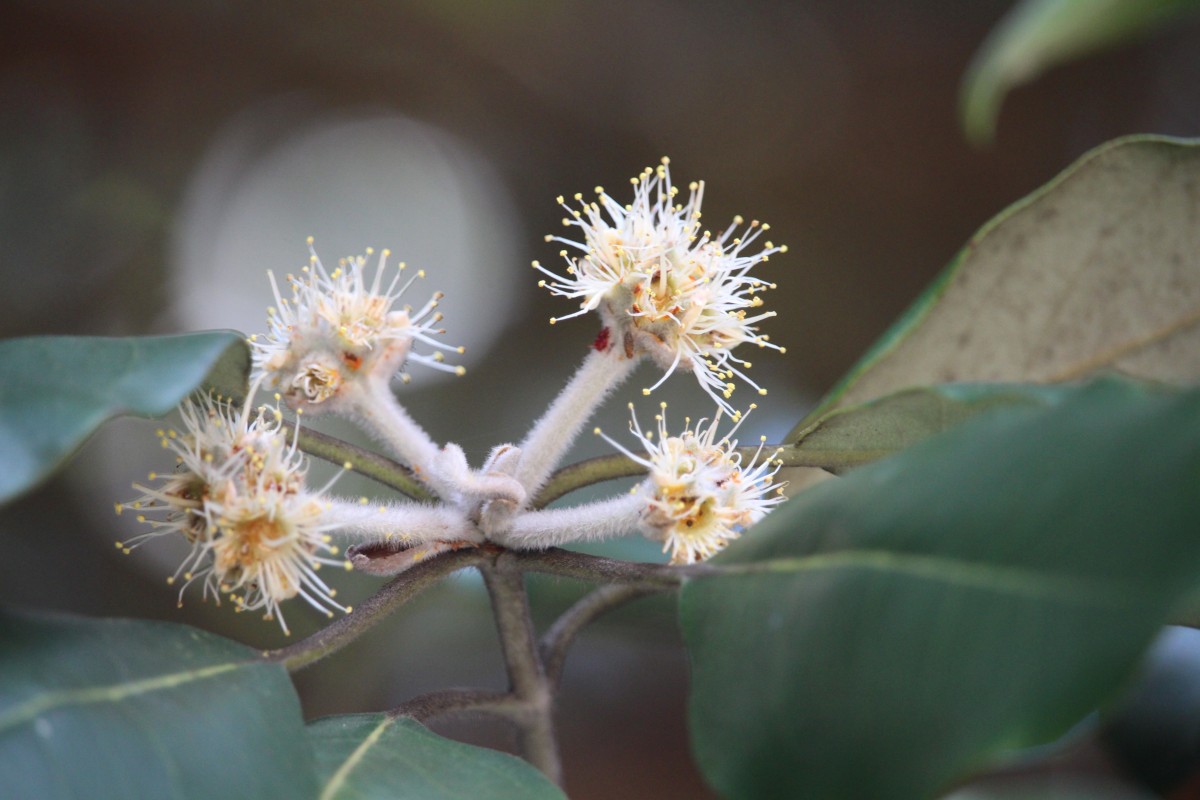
<point x="56" y="390"/>
<point x="885" y="633"/>
<point x="375" y="756"/>
<point x="851" y="437"/>
<point x="124" y="709"/>
<point x="1037" y="35"/>
<point x="1099" y="269"/>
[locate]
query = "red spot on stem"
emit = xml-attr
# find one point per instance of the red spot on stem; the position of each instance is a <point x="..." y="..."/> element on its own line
<point x="602" y="340"/>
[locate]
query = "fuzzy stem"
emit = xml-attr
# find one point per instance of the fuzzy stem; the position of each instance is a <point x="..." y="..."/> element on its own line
<point x="556" y="641"/>
<point x="380" y="468"/>
<point x="527" y="677"/>
<point x="553" y="434"/>
<point x="404" y="523"/>
<point x="380" y="414"/>
<point x="400" y="590"/>
<point x="537" y="530"/>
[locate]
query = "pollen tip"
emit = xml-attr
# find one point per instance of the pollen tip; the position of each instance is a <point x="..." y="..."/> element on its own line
<point x="460" y="371"/>
<point x="347" y="465"/>
<point x="645" y="392"/>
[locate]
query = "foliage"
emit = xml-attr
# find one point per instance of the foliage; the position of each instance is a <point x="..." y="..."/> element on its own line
<point x="990" y="567"/>
<point x="1037" y="35"/>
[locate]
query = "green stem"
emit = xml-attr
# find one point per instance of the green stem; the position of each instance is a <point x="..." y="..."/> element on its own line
<point x="380" y="468"/>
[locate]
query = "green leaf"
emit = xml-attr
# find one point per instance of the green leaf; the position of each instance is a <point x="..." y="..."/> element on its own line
<point x="56" y="390"/>
<point x="1037" y="35"/>
<point x="886" y="633"/>
<point x="850" y="437"/>
<point x="367" y="756"/>
<point x="123" y="708"/>
<point x="1097" y="270"/>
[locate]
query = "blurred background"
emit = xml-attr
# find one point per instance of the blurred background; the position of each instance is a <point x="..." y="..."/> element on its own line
<point x="157" y="159"/>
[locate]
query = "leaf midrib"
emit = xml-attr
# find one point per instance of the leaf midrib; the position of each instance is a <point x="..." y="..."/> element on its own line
<point x="338" y="779"/>
<point x="1020" y="581"/>
<point x="36" y="706"/>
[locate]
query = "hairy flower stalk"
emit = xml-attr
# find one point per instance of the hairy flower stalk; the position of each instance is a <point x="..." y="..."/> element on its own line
<point x="602" y="371"/>
<point x="337" y="342"/>
<point x="607" y="519"/>
<point x="699" y="496"/>
<point x="664" y="286"/>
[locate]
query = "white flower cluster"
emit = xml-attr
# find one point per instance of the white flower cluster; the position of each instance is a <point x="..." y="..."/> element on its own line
<point x="663" y="285"/>
<point x="665" y="289"/>
<point x="238" y="497"/>
<point x="699" y="496"/>
<point x="338" y="329"/>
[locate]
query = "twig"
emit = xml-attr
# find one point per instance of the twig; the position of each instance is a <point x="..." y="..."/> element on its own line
<point x="390" y="473"/>
<point x="597" y="569"/>
<point x="456" y="701"/>
<point x="400" y="590"/>
<point x="558" y="639"/>
<point x="535" y="732"/>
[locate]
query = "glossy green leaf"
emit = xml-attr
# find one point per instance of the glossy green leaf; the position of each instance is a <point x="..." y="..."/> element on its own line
<point x="122" y="709"/>
<point x="1099" y="269"/>
<point x="884" y="634"/>
<point x="1037" y="35"/>
<point x="857" y="435"/>
<point x="378" y="757"/>
<point x="56" y="390"/>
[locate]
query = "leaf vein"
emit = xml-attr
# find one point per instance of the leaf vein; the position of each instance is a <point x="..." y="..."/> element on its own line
<point x="338" y="779"/>
<point x="34" y="707"/>
<point x="991" y="577"/>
